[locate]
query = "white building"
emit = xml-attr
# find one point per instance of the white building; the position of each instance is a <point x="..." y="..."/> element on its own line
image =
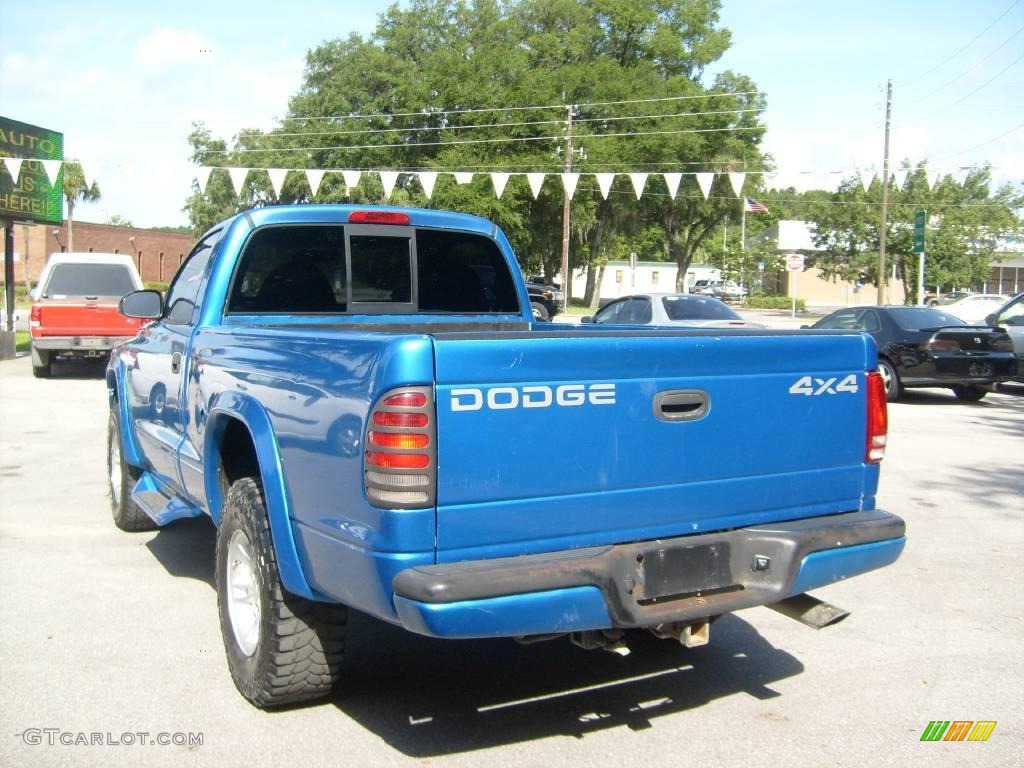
<point x="621" y="278"/>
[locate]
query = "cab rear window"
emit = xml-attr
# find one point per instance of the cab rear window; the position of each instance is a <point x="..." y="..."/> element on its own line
<point x="89" y="280"/>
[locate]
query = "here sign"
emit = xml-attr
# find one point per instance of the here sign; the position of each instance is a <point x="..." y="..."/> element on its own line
<point x="794" y="262"/>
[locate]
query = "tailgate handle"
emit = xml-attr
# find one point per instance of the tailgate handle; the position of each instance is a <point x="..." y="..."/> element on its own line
<point x="682" y="405"/>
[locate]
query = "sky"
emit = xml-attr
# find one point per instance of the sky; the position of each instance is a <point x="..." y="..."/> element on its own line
<point x="125" y="81"/>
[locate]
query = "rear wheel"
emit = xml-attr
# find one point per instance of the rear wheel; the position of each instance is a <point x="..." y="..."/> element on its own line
<point x="281" y="649"/>
<point x="969" y="393"/>
<point x="121" y="478"/>
<point x="41" y="363"/>
<point x="540" y="312"/>
<point x="893" y="387"/>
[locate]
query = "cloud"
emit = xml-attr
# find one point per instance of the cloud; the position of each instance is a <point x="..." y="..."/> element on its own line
<point x="166" y="48"/>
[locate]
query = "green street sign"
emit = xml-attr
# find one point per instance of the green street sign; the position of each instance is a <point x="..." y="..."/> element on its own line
<point x="920" y="217"/>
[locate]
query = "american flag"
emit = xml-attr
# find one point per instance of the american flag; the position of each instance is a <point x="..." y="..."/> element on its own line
<point x="752" y="206"/>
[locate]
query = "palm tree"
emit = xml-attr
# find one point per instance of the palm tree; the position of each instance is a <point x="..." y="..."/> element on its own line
<point x="75" y="189"/>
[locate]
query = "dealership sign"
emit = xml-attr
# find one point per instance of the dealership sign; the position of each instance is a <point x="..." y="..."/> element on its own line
<point x="27" y="190"/>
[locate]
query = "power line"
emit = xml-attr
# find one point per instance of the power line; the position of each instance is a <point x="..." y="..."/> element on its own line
<point x="420" y="129"/>
<point x="478" y="141"/>
<point x="980" y="87"/>
<point x="964" y="48"/>
<point x="984" y="143"/>
<point x="427" y="111"/>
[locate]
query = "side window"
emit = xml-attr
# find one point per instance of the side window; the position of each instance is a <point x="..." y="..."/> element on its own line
<point x="610" y="314"/>
<point x="462" y="272"/>
<point x="840" y="321"/>
<point x="637" y="311"/>
<point x="1013" y="314"/>
<point x="868" y="321"/>
<point x="181" y="296"/>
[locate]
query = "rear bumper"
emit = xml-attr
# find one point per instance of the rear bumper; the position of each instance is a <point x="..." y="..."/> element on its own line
<point x="953" y="370"/>
<point x="644" y="583"/>
<point x="78" y="343"/>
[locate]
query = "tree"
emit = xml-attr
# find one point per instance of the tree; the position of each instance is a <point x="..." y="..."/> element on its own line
<point x="76" y="190"/>
<point x="965" y="222"/>
<point x="117" y="220"/>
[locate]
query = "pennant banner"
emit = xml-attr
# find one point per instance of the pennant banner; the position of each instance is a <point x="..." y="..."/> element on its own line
<point x="314" y="177"/>
<point x="672" y="182"/>
<point x="427" y="181"/>
<point x="569" y="181"/>
<point x="238" y="178"/>
<point x="351" y="178"/>
<point x="536" y="182"/>
<point x="277" y="179"/>
<point x="203" y="177"/>
<point x="899" y="177"/>
<point x="769" y="179"/>
<point x="736" y="179"/>
<point x="13" y="167"/>
<point x="932" y="177"/>
<point x="52" y="168"/>
<point x="86" y="177"/>
<point x="705" y="180"/>
<point x="961" y="175"/>
<point x="463" y="177"/>
<point x="388" y="179"/>
<point x="499" y="180"/>
<point x="604" y="183"/>
<point x="866" y="177"/>
<point x="639" y="180"/>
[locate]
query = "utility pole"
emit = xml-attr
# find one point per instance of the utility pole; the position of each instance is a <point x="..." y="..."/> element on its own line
<point x="566" y="281"/>
<point x="885" y="197"/>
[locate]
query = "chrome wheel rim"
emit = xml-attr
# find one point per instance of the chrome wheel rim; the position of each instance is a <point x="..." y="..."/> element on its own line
<point x="115" y="470"/>
<point x="886" y="376"/>
<point x="243" y="593"/>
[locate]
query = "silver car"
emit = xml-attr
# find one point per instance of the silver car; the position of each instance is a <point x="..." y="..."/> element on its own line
<point x="1010" y="317"/>
<point x="681" y="309"/>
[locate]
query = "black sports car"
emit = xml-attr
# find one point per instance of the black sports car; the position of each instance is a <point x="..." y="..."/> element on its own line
<point x="926" y="347"/>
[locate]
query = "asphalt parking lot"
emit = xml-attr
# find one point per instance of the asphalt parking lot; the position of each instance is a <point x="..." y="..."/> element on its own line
<point x="111" y="633"/>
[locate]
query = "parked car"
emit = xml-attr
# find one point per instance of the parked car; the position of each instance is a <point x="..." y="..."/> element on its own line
<point x="934" y="300"/>
<point x="929" y="347"/>
<point x="975" y="308"/>
<point x="74" y="310"/>
<point x="726" y="290"/>
<point x="1010" y="317"/>
<point x="696" y="311"/>
<point x="545" y="300"/>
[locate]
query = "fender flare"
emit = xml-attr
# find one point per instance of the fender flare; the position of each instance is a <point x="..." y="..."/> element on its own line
<point x="242" y="408"/>
<point x="129" y="443"/>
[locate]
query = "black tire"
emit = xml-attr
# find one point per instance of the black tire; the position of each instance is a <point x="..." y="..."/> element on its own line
<point x="893" y="386"/>
<point x="540" y="312"/>
<point x="969" y="393"/>
<point x="41" y="363"/>
<point x="299" y="644"/>
<point x="120" y="483"/>
<point x="158" y="401"/>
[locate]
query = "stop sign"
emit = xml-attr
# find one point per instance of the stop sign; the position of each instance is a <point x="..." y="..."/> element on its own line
<point x="794" y="262"/>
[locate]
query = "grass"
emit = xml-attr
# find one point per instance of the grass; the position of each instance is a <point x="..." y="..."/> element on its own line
<point x="21" y="341"/>
<point x="21" y="299"/>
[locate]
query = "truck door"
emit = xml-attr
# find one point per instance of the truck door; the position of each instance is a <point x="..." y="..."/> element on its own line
<point x="156" y="380"/>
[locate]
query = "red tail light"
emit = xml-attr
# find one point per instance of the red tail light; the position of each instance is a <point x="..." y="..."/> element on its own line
<point x="942" y="345"/>
<point x="878" y="419"/>
<point x="400" y="460"/>
<point x="1003" y="344"/>
<point x="378" y="217"/>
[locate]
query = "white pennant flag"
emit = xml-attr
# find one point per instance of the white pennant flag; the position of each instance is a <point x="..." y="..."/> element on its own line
<point x="536" y="182"/>
<point x="427" y="181"/>
<point x="277" y="179"/>
<point x="314" y="177"/>
<point x="705" y="180"/>
<point x="769" y="179"/>
<point x="351" y="179"/>
<point x="463" y="177"/>
<point x="639" y="180"/>
<point x="569" y="181"/>
<point x="13" y="167"/>
<point x="932" y="177"/>
<point x="388" y="179"/>
<point x="52" y="168"/>
<point x="203" y="177"/>
<point x="672" y="182"/>
<point x="961" y="175"/>
<point x="86" y="177"/>
<point x="238" y="178"/>
<point x="737" y="179"/>
<point x="900" y="177"/>
<point x="499" y="180"/>
<point x="866" y="177"/>
<point x="604" y="183"/>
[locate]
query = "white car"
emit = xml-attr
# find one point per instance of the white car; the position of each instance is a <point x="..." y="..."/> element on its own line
<point x="1010" y="317"/>
<point x="975" y="308"/>
<point x="667" y="309"/>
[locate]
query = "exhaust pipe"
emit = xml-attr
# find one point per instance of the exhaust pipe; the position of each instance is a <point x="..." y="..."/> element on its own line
<point x="809" y="610"/>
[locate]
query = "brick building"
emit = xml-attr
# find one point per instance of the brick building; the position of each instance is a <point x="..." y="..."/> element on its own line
<point x="156" y="254"/>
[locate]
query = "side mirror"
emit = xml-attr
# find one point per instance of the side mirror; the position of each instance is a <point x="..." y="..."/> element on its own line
<point x="146" y="305"/>
<point x="991" y="319"/>
<point x="804" y="327"/>
<point x="586" y="319"/>
<point x="34" y="293"/>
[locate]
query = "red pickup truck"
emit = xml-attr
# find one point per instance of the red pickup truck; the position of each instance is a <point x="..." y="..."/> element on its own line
<point x="74" y="309"/>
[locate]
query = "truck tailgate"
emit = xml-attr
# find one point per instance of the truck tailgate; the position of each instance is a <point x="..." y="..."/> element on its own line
<point x="84" y="318"/>
<point x="552" y="440"/>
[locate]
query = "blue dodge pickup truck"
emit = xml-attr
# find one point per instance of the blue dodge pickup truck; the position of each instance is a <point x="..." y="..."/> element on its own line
<point x="360" y="400"/>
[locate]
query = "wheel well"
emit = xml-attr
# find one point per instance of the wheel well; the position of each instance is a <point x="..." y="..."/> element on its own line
<point x="237" y="455"/>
